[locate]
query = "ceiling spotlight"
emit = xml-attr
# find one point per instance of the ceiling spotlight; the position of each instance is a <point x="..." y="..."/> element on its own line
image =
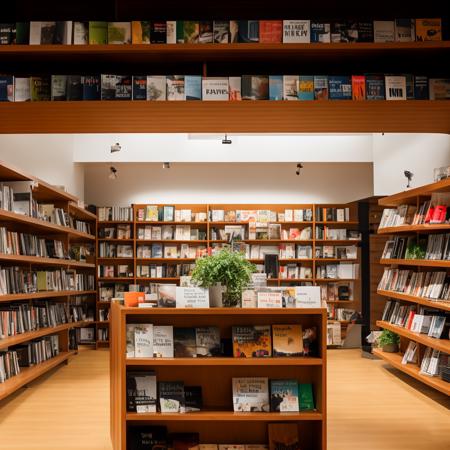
<point x="299" y="167"/>
<point x="166" y="165"/>
<point x="112" y="173"/>
<point x="408" y="176"/>
<point x="116" y="148"/>
<point x="226" y="140"/>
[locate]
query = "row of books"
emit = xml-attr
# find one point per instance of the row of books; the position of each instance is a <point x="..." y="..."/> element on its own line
<point x="295" y="272"/>
<point x="170" y="232"/>
<point x="416" y="318"/>
<point x="163" y="270"/>
<point x="26" y="355"/>
<point x="339" y="291"/>
<point x="119" y="231"/>
<point x="331" y="214"/>
<point x="245" y="87"/>
<point x="336" y="251"/>
<point x="103" y="314"/>
<point x="434" y="247"/>
<point x="108" y="213"/>
<point x="115" y="271"/>
<point x="219" y="31"/>
<point x="343" y="270"/>
<point x="18" y="280"/>
<point x="337" y="313"/>
<point x="103" y="334"/>
<point x="171" y="251"/>
<point x="431" y="285"/>
<point x="108" y="250"/>
<point x="434" y="362"/>
<point x="260" y="231"/>
<point x="336" y="234"/>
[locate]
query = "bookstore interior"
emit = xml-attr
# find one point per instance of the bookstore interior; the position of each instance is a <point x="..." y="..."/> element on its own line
<point x="223" y="227"/>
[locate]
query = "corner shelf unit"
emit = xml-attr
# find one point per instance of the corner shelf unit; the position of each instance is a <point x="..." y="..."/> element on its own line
<point x="213" y="423"/>
<point x="415" y="197"/>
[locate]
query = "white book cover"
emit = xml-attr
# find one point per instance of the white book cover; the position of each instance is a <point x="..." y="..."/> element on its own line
<point x="249" y="298"/>
<point x="234" y="87"/>
<point x="130" y="349"/>
<point x="36" y="31"/>
<point x="143" y="340"/>
<point x="22" y="92"/>
<point x="251" y="394"/>
<point x="290" y="87"/>
<point x="80" y="33"/>
<point x="383" y="31"/>
<point x="156" y="87"/>
<point x="145" y="387"/>
<point x="163" y="341"/>
<point x="307" y="297"/>
<point x="405" y="30"/>
<point x="175" y="88"/>
<point x="270" y="299"/>
<point x="215" y="88"/>
<point x="296" y="31"/>
<point x="395" y="87"/>
<point x="171" y="31"/>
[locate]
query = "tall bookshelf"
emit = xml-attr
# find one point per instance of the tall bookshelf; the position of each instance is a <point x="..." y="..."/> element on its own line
<point x="217" y="423"/>
<point x="43" y="192"/>
<point x="208" y="226"/>
<point x="415" y="197"/>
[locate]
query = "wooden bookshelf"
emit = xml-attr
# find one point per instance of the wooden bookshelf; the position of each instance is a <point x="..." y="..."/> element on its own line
<point x="413" y="299"/>
<point x="211" y="422"/>
<point x="43" y="295"/>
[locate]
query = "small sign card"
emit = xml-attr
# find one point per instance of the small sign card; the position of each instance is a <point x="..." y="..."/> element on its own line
<point x="307" y="297"/>
<point x="249" y="298"/>
<point x="270" y="300"/>
<point x="192" y="297"/>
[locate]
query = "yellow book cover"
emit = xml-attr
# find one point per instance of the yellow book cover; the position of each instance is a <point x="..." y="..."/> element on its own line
<point x="42" y="281"/>
<point x="428" y="30"/>
<point x="252" y="341"/>
<point x="287" y="340"/>
<point x="136" y="32"/>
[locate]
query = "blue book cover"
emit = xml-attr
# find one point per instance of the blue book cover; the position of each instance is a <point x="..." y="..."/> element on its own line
<point x="91" y="87"/>
<point x="339" y="87"/>
<point x="193" y="87"/>
<point x="157" y="251"/>
<point x="320" y="32"/>
<point x="6" y="88"/>
<point x="421" y="87"/>
<point x="284" y="396"/>
<point x="140" y="87"/>
<point x="275" y="87"/>
<point x="375" y="87"/>
<point x="306" y="87"/>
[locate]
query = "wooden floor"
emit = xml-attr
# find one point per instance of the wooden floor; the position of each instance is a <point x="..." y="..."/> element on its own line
<point x="369" y="408"/>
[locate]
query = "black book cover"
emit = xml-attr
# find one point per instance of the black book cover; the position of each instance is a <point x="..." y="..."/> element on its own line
<point x="248" y="31"/>
<point x="365" y="31"/>
<point x="124" y="87"/>
<point x="147" y="438"/>
<point x="205" y="32"/>
<point x="158" y="32"/>
<point x="193" y="398"/>
<point x="50" y="246"/>
<point x="91" y="87"/>
<point x="22" y="33"/>
<point x="171" y="396"/>
<point x="23" y="356"/>
<point x="140" y="87"/>
<point x="340" y="31"/>
<point x="343" y="293"/>
<point x="421" y="87"/>
<point x="60" y="31"/>
<point x="6" y="33"/>
<point x="74" y="88"/>
<point x="271" y="266"/>
<point x="48" y="33"/>
<point x="185" y="345"/>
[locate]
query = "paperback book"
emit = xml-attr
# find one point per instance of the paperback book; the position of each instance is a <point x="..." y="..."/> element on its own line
<point x="284" y="396"/>
<point x="251" y="394"/>
<point x="252" y="341"/>
<point x="141" y="392"/>
<point x="171" y="396"/>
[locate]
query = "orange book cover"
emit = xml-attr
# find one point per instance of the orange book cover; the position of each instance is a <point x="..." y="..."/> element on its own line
<point x="136" y="32"/>
<point x="270" y="31"/>
<point x="428" y="30"/>
<point x="132" y="299"/>
<point x="358" y="87"/>
<point x="252" y="341"/>
<point x="287" y="340"/>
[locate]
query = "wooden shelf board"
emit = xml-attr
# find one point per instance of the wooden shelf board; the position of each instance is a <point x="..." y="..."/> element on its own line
<point x="213" y="361"/>
<point x="114" y="222"/>
<point x="413" y="299"/>
<point x="325" y="260"/>
<point x="28" y="374"/>
<point x="419" y="116"/>
<point x="173" y="260"/>
<point x="340" y="302"/>
<point x="439" y="344"/>
<point x="115" y="240"/>
<point x="424" y="228"/>
<point x="171" y="241"/>
<point x="277" y="241"/>
<point x="9" y="172"/>
<point x="334" y="280"/>
<point x="38" y="260"/>
<point x="226" y="416"/>
<point x="116" y="258"/>
<point x="81" y="213"/>
<point x="335" y="222"/>
<point x="395" y="360"/>
<point x="45" y="192"/>
<point x="416" y="262"/>
<point x="162" y="222"/>
<point x="43" y="294"/>
<point x="284" y="260"/>
<point x="338" y="242"/>
<point x="114" y="279"/>
<point x="157" y="279"/>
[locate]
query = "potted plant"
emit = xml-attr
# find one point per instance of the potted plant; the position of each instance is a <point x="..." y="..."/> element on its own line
<point x="227" y="268"/>
<point x="389" y="341"/>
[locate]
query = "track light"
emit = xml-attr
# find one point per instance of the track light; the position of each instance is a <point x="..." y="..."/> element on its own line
<point x="116" y="148"/>
<point x="299" y="167"/>
<point x="112" y="173"/>
<point x="408" y="176"/>
<point x="166" y="165"/>
<point x="225" y="140"/>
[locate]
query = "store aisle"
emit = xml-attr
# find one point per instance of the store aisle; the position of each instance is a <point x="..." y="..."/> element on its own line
<point x="369" y="408"/>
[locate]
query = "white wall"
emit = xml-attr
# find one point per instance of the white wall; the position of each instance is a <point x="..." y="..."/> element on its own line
<point x="418" y="153"/>
<point x="228" y="183"/>
<point x="47" y="156"/>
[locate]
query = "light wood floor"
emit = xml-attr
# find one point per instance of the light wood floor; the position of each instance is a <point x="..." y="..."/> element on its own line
<point x="369" y="408"/>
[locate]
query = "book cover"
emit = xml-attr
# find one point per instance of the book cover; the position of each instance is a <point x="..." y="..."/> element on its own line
<point x="409" y="86"/>
<point x="221" y="31"/>
<point x="283" y="436"/>
<point x="171" y="396"/>
<point x="74" y="88"/>
<point x="252" y="341"/>
<point x="63" y="32"/>
<point x="156" y="87"/>
<point x="143" y="340"/>
<point x="383" y="31"/>
<point x="6" y="88"/>
<point x="428" y="30"/>
<point x="339" y="88"/>
<point x="180" y="32"/>
<point x="205" y="32"/>
<point x="185" y="345"/>
<point x="158" y="32"/>
<point x="7" y="33"/>
<point x="215" y="88"/>
<point x="270" y="31"/>
<point x="167" y="293"/>
<point x="296" y="31"/>
<point x="185" y="441"/>
<point x="207" y="341"/>
<point x="290" y="86"/>
<point x="439" y="88"/>
<point x="343" y="31"/>
<point x="91" y="87"/>
<point x="234" y="31"/>
<point x="287" y="340"/>
<point x="251" y="394"/>
<point x="405" y="30"/>
<point x="365" y="31"/>
<point x="358" y="87"/>
<point x="139" y="87"/>
<point x="395" y="87"/>
<point x="193" y="87"/>
<point x="163" y="341"/>
<point x="98" y="33"/>
<point x="141" y="392"/>
<point x="175" y="88"/>
<point x="320" y="32"/>
<point x="40" y="89"/>
<point x="306" y="398"/>
<point x="193" y="398"/>
<point x="234" y="87"/>
<point x="22" y="33"/>
<point x="22" y="89"/>
<point x="306" y="87"/>
<point x="81" y="33"/>
<point x="255" y="87"/>
<point x="320" y="87"/>
<point x="59" y="87"/>
<point x="191" y="32"/>
<point x="171" y="31"/>
<point x="421" y="87"/>
<point x="375" y="89"/>
<point x="276" y="87"/>
<point x="119" y="33"/>
<point x="42" y="33"/>
<point x="140" y="32"/>
<point x="248" y="31"/>
<point x="284" y="396"/>
<point x="147" y="438"/>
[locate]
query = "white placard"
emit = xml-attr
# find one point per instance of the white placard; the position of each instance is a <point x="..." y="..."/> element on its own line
<point x="307" y="297"/>
<point x="270" y="300"/>
<point x="249" y="298"/>
<point x="192" y="297"/>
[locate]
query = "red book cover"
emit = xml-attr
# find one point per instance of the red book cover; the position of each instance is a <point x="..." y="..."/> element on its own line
<point x="270" y="31"/>
<point x="358" y="87"/>
<point x="410" y="319"/>
<point x="439" y="214"/>
<point x="429" y="215"/>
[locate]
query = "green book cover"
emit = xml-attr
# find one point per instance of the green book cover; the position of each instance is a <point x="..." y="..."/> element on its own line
<point x="23" y="33"/>
<point x="42" y="281"/>
<point x="40" y="89"/>
<point x="191" y="32"/>
<point x="180" y="32"/>
<point x="306" y="398"/>
<point x="98" y="33"/>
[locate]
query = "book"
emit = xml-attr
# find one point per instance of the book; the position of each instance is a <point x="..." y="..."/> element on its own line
<point x="139" y="87"/>
<point x="284" y="396"/>
<point x="7" y="33"/>
<point x="306" y="399"/>
<point x="255" y="87"/>
<point x="175" y="88"/>
<point x="358" y="87"/>
<point x="22" y="33"/>
<point x="248" y="31"/>
<point x="375" y="89"/>
<point x="395" y="87"/>
<point x="205" y="32"/>
<point x="40" y="89"/>
<point x="251" y="394"/>
<point x="439" y="88"/>
<point x="179" y="32"/>
<point x="283" y="436"/>
<point x="221" y="31"/>
<point x="428" y="30"/>
<point x="234" y="31"/>
<point x="119" y="33"/>
<point x="185" y="345"/>
<point x="158" y="32"/>
<point x="59" y="87"/>
<point x="339" y="88"/>
<point x="364" y="31"/>
<point x="421" y="88"/>
<point x="215" y="88"/>
<point x="287" y="340"/>
<point x="270" y="31"/>
<point x="234" y="87"/>
<point x="171" y="32"/>
<point x="147" y="438"/>
<point x="344" y="31"/>
<point x="252" y="341"/>
<point x="74" y="88"/>
<point x="193" y="398"/>
<point x="156" y="87"/>
<point x="167" y="293"/>
<point x="163" y="345"/>
<point x="42" y="33"/>
<point x="141" y="392"/>
<point x="98" y="33"/>
<point x="116" y="87"/>
<point x="276" y="87"/>
<point x="171" y="396"/>
<point x="191" y="32"/>
<point x="207" y="341"/>
<point x="296" y="31"/>
<point x="185" y="441"/>
<point x="91" y="87"/>
<point x="405" y="30"/>
<point x="320" y="32"/>
<point x="143" y="340"/>
<point x="6" y="88"/>
<point x="320" y="87"/>
<point x="306" y="87"/>
<point x="290" y="86"/>
<point x="140" y="32"/>
<point x="193" y="87"/>
<point x="383" y="31"/>
<point x="80" y="33"/>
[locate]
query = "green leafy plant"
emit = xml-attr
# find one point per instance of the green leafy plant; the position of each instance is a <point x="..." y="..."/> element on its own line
<point x="228" y="268"/>
<point x="388" y="337"/>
